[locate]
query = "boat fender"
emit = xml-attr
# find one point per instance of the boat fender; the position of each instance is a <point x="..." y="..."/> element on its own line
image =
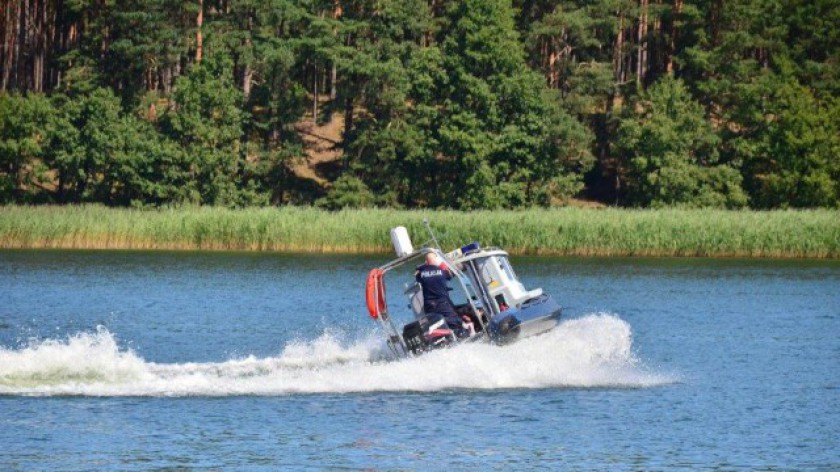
<point x="375" y="293"/>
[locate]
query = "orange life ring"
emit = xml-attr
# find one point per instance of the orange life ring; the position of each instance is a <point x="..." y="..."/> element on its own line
<point x="375" y="293"/>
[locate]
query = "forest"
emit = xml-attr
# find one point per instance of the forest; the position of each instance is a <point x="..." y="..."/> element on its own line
<point x="456" y="104"/>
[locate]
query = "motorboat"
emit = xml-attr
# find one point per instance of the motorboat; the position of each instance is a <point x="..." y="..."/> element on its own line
<point x="485" y="292"/>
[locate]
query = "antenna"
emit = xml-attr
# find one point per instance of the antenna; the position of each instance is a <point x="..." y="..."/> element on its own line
<point x="431" y="233"/>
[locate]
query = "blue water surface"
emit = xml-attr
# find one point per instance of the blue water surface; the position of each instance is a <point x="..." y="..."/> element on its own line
<point x="147" y="360"/>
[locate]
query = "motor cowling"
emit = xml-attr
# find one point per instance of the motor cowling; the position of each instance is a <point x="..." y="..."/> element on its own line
<point x="414" y="337"/>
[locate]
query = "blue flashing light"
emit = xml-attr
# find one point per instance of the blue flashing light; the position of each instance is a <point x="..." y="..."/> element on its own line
<point x="471" y="247"/>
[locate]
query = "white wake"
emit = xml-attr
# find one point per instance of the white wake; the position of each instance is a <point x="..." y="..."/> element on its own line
<point x="592" y="351"/>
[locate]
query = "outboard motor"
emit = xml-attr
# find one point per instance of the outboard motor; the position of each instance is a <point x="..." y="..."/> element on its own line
<point x="425" y="334"/>
<point x="413" y="335"/>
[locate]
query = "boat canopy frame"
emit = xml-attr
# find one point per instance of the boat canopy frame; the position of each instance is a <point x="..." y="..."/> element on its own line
<point x="378" y="303"/>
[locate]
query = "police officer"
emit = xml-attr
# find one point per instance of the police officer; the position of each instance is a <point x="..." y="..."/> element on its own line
<point x="433" y="276"/>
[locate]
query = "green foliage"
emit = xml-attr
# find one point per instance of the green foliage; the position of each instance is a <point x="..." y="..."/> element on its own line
<point x="814" y="41"/>
<point x="567" y="231"/>
<point x="84" y="137"/>
<point x="466" y="104"/>
<point x="765" y="68"/>
<point x="263" y="40"/>
<point x="148" y="37"/>
<point x="585" y="79"/>
<point x="791" y="159"/>
<point x="671" y="152"/>
<point x="22" y="140"/>
<point x="147" y="171"/>
<point x="347" y="192"/>
<point x="207" y="122"/>
<point x="102" y="154"/>
<point x="466" y="124"/>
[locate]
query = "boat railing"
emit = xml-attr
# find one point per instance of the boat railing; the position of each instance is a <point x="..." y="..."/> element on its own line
<point x="395" y="340"/>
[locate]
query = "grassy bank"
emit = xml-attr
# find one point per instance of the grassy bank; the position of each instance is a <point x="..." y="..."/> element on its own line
<point x="568" y="231"/>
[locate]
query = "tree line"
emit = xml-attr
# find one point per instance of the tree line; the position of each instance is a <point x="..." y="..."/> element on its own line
<point x="443" y="103"/>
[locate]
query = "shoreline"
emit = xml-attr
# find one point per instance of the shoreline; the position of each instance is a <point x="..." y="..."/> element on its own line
<point x="782" y="234"/>
<point x="389" y="253"/>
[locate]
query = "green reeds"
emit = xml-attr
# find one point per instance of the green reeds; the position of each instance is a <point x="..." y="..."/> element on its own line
<point x="566" y="231"/>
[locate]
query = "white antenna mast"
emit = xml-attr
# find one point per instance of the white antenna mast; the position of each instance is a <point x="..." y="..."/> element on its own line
<point x="431" y="233"/>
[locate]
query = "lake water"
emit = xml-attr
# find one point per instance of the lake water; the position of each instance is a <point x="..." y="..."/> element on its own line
<point x="146" y="360"/>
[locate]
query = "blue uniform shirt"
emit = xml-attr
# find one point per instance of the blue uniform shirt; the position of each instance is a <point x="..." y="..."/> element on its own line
<point x="433" y="281"/>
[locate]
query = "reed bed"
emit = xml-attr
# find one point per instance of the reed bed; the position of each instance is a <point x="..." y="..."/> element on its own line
<point x="566" y="231"/>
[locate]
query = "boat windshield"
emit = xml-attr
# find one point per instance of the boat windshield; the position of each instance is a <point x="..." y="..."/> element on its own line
<point x="496" y="267"/>
<point x="507" y="268"/>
